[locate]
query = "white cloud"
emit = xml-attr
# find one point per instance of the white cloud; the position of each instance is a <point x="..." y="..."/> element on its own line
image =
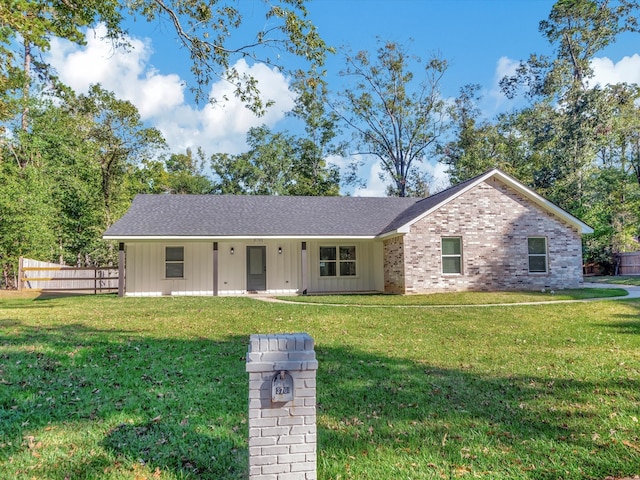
<point x="505" y="66"/>
<point x="627" y="70"/>
<point x="377" y="183"/>
<point x="160" y="98"/>
<point x="376" y="186"/>
<point x="440" y="178"/>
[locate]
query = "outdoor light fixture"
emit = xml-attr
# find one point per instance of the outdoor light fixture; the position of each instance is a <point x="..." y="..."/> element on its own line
<point x="232" y="251"/>
<point x="280" y="250"/>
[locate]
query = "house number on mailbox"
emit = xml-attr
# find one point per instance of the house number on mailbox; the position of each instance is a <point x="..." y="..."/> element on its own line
<point x="282" y="387"/>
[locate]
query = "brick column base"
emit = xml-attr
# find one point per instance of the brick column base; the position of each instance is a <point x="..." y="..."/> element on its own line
<point x="282" y="407"/>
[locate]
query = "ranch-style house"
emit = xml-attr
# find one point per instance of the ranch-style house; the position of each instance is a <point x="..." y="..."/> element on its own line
<point x="488" y="233"/>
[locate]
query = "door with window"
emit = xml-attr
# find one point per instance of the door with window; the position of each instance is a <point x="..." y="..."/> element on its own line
<point x="256" y="268"/>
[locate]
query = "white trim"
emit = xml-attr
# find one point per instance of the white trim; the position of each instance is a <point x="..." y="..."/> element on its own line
<point x="338" y="262"/>
<point x="519" y="187"/>
<point x="174" y="262"/>
<point x="218" y="238"/>
<point x="545" y="255"/>
<point x="458" y="255"/>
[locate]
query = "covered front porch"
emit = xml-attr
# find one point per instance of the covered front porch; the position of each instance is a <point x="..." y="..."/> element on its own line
<point x="242" y="266"/>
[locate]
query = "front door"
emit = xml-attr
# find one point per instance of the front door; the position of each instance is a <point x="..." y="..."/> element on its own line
<point x="256" y="268"/>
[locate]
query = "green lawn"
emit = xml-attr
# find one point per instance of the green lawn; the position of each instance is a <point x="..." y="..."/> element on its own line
<point x="617" y="280"/>
<point x="460" y="298"/>
<point x="101" y="387"/>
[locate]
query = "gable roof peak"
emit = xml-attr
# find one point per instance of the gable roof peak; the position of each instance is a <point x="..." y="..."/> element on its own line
<point x="427" y="205"/>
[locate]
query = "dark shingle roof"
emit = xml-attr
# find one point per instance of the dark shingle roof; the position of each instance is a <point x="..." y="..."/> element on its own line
<point x="249" y="215"/>
<point x="271" y="216"/>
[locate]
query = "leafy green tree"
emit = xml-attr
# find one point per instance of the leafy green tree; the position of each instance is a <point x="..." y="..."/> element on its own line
<point x="186" y="173"/>
<point x="203" y="28"/>
<point x="90" y="149"/>
<point x="119" y="139"/>
<point x="476" y="145"/>
<point x="68" y="169"/>
<point x="26" y="30"/>
<point x="279" y="163"/>
<point x="395" y="116"/>
<point x="578" y="138"/>
<point x="274" y="165"/>
<point x="263" y="170"/>
<point x="27" y="216"/>
<point x="312" y="174"/>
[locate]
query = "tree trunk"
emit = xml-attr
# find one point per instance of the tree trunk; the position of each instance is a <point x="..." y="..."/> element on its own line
<point x="27" y="86"/>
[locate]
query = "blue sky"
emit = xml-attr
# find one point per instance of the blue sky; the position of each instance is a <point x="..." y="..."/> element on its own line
<point x="481" y="39"/>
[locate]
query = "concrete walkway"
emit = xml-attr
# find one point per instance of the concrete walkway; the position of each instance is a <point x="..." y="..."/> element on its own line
<point x="632" y="290"/>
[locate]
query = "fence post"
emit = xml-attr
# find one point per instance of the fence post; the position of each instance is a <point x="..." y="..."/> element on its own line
<point x="20" y="273"/>
<point x="282" y="407"/>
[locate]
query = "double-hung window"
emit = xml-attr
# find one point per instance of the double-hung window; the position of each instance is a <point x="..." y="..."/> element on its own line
<point x="452" y="255"/>
<point x="174" y="262"/>
<point x="537" y="248"/>
<point x="338" y="261"/>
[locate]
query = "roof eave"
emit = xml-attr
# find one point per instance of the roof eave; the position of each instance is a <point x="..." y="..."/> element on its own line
<point x="142" y="238"/>
<point x="392" y="233"/>
<point x="582" y="227"/>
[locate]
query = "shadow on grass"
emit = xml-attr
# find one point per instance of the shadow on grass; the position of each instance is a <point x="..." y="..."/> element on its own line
<point x="179" y="406"/>
<point x="455" y="417"/>
<point x="629" y="327"/>
<point x="626" y="323"/>
<point x="117" y="400"/>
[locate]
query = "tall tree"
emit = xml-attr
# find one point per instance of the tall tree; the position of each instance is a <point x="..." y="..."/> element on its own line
<point x="26" y="29"/>
<point x="27" y="216"/>
<point x="475" y="145"/>
<point x="285" y="164"/>
<point x="395" y="116"/>
<point x="90" y="148"/>
<point x="204" y="28"/>
<point x="274" y="165"/>
<point x="185" y="173"/>
<point x="576" y="137"/>
<point x="566" y="123"/>
<point x="119" y="139"/>
<point x="579" y="30"/>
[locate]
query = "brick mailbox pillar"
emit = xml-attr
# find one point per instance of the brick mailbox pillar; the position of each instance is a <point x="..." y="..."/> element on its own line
<point x="282" y="407"/>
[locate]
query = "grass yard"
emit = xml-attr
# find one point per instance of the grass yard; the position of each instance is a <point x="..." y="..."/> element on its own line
<point x="101" y="387"/>
<point x="616" y="280"/>
<point x="460" y="298"/>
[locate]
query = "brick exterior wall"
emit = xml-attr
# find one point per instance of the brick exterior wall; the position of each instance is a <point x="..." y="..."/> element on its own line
<point x="494" y="222"/>
<point x="394" y="265"/>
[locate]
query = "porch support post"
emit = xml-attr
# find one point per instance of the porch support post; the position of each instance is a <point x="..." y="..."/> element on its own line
<point x="215" y="269"/>
<point x="121" y="260"/>
<point x="304" y="268"/>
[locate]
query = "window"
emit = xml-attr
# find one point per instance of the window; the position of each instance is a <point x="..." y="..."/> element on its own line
<point x="537" y="254"/>
<point x="452" y="255"/>
<point x="174" y="262"/>
<point x="338" y="261"/>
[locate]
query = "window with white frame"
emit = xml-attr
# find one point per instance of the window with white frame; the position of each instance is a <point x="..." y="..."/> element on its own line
<point x="338" y="261"/>
<point x="537" y="248"/>
<point x="174" y="262"/>
<point x="452" y="255"/>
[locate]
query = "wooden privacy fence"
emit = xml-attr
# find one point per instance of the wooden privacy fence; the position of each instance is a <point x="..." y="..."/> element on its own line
<point x="629" y="263"/>
<point x="36" y="275"/>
